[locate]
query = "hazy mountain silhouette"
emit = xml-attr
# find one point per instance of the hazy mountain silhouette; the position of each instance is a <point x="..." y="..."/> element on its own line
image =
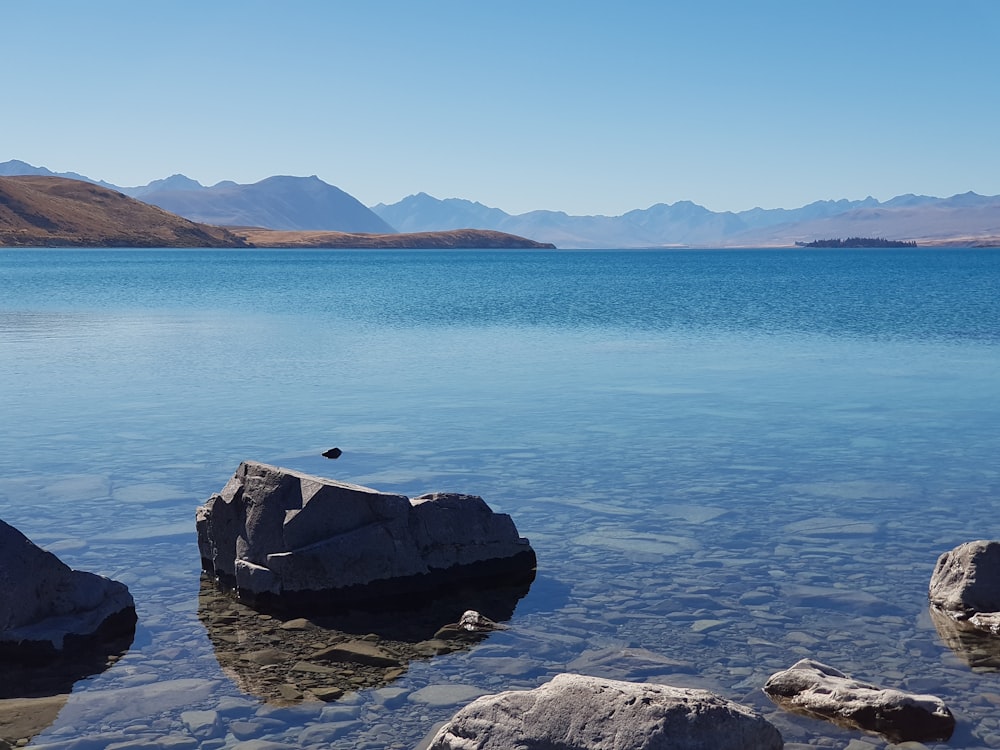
<point x="961" y="219"/>
<point x="276" y="203"/>
<point x="308" y="203"/>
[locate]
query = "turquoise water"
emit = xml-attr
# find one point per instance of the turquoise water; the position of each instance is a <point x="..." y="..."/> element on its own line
<point x="725" y="460"/>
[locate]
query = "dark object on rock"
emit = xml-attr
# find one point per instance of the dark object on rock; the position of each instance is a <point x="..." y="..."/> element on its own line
<point x="575" y="712"/>
<point x="292" y="541"/>
<point x="333" y="453"/>
<point x="47" y="609"/>
<point x="822" y="692"/>
<point x="965" y="585"/>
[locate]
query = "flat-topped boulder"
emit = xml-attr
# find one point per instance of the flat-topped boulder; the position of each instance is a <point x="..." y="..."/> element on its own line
<point x="577" y="712"/>
<point x="814" y="689"/>
<point x="47" y="609"/>
<point x="290" y="540"/>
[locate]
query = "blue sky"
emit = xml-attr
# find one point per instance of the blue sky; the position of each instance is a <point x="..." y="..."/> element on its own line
<point x="585" y="107"/>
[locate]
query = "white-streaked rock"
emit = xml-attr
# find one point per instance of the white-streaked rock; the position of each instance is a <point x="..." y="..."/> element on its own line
<point x="575" y="712"/>
<point x="818" y="690"/>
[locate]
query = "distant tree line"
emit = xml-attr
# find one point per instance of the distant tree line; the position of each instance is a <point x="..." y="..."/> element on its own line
<point x="858" y="242"/>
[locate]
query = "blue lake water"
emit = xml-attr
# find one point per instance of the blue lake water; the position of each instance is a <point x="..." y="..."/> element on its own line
<point x="725" y="460"/>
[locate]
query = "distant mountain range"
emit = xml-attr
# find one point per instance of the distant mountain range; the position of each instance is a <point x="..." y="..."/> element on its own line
<point x="48" y="211"/>
<point x="308" y="203"/>
<point x="967" y="219"/>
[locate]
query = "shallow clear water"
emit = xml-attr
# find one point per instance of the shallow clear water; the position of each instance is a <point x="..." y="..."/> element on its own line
<point x="725" y="460"/>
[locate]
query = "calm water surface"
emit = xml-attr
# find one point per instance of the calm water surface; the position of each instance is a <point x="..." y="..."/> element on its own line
<point x="725" y="460"/>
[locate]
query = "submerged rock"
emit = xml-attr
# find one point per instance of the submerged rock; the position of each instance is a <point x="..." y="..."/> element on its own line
<point x="294" y="541"/>
<point x="322" y="657"/>
<point x="965" y="585"/>
<point x="48" y="609"/>
<point x="575" y="712"/>
<point x="814" y="689"/>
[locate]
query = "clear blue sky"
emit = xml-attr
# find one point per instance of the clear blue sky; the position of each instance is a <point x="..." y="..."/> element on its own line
<point x="586" y="107"/>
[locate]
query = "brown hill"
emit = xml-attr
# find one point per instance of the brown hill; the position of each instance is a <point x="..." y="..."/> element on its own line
<point x="450" y="239"/>
<point x="41" y="211"/>
<point x="38" y="211"/>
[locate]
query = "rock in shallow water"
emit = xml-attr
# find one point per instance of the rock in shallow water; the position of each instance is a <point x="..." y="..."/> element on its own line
<point x="574" y="712"/>
<point x="965" y="585"/>
<point x="814" y="689"/>
<point x="296" y="541"/>
<point x="46" y="608"/>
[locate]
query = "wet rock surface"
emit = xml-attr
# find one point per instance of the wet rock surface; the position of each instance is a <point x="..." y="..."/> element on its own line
<point x="818" y="690"/>
<point x="294" y="541"/>
<point x="575" y="712"/>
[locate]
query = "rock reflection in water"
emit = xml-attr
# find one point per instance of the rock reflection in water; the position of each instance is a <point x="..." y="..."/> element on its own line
<point x="978" y="649"/>
<point x="283" y="660"/>
<point x="33" y="693"/>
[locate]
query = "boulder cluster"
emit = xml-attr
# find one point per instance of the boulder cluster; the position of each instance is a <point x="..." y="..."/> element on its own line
<point x="315" y="548"/>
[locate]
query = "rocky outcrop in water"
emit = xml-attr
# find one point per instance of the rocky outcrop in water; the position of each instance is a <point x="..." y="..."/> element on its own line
<point x="965" y="585"/>
<point x="47" y="609"/>
<point x="57" y="627"/>
<point x="290" y="540"/>
<point x="575" y="712"/>
<point x="814" y="689"/>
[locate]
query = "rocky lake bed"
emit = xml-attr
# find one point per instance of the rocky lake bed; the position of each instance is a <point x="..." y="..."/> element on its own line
<point x="711" y="499"/>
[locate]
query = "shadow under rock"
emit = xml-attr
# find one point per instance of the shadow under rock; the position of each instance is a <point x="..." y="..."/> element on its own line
<point x="33" y="691"/>
<point x="282" y="659"/>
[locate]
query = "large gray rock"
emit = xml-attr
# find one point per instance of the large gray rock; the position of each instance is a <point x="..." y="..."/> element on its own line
<point x="47" y="608"/>
<point x="289" y="539"/>
<point x="814" y="689"/>
<point x="965" y="585"/>
<point x="574" y="712"/>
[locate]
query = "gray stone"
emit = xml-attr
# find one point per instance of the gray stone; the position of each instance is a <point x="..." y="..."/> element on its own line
<point x="965" y="585"/>
<point x="289" y="538"/>
<point x="814" y="689"/>
<point x="360" y="652"/>
<point x="202" y="724"/>
<point x="46" y="607"/>
<point x="445" y="695"/>
<point x="573" y="712"/>
<point x="262" y="745"/>
<point x="327" y="732"/>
